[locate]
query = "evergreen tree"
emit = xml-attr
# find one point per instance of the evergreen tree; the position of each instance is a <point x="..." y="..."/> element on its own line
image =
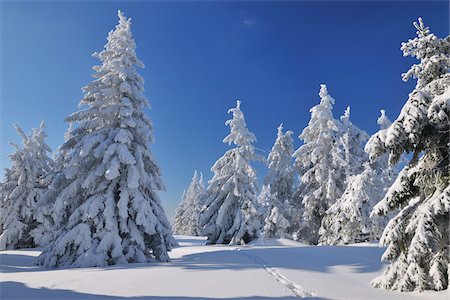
<point x="231" y="213"/>
<point x="106" y="202"/>
<point x="417" y="238"/>
<point x="43" y="234"/>
<point x="264" y="200"/>
<point x="177" y="222"/>
<point x="21" y="190"/>
<point x="278" y="186"/>
<point x="347" y="220"/>
<point x="51" y="213"/>
<point x="187" y="215"/>
<point x="320" y="164"/>
<point x="352" y="142"/>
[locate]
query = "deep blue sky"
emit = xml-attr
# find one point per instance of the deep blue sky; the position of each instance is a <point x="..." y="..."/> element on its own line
<point x="200" y="57"/>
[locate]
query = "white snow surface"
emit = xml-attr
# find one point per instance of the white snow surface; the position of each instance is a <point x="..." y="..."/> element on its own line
<point x="265" y="269"/>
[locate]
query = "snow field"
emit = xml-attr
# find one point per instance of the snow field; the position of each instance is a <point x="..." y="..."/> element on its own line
<point x="275" y="268"/>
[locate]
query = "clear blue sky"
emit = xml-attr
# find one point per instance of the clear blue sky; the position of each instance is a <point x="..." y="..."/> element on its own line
<point x="200" y="57"/>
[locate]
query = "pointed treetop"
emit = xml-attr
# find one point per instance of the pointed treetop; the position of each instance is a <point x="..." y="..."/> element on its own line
<point x="280" y="133"/>
<point x="421" y="29"/>
<point x="280" y="130"/>
<point x="122" y="19"/>
<point x="195" y="177"/>
<point x="41" y="128"/>
<point x="34" y="140"/>
<point x="325" y="98"/>
<point x="239" y="133"/>
<point x="430" y="51"/>
<point x="345" y="118"/>
<point x="22" y="134"/>
<point x="322" y="114"/>
<point x="323" y="90"/>
<point x="383" y="120"/>
<point x="200" y="180"/>
<point x="120" y="42"/>
<point x="123" y="27"/>
<point x="39" y="133"/>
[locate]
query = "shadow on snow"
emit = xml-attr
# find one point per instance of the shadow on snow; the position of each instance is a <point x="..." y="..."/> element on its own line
<point x="313" y="258"/>
<point x="17" y="290"/>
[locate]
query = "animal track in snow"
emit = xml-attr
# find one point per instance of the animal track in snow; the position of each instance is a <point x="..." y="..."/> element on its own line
<point x="297" y="290"/>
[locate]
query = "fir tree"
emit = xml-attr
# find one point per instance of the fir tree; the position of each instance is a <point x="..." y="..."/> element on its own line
<point x="52" y="214"/>
<point x="21" y="190"/>
<point x="417" y="238"/>
<point x="352" y="142"/>
<point x="106" y="202"/>
<point x="187" y="215"/>
<point x="278" y="186"/>
<point x="44" y="233"/>
<point x="264" y="200"/>
<point x="347" y="220"/>
<point x="320" y="164"/>
<point x="177" y="222"/>
<point x="231" y="214"/>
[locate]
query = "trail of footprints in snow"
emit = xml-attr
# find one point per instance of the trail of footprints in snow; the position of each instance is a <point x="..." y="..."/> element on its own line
<point x="297" y="290"/>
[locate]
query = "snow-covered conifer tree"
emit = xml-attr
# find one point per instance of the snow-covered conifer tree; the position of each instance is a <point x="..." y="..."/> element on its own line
<point x="417" y="238"/>
<point x="50" y="214"/>
<point x="279" y="162"/>
<point x="21" y="190"/>
<point x="106" y="189"/>
<point x="383" y="120"/>
<point x="320" y="164"/>
<point x="177" y="221"/>
<point x="264" y="199"/>
<point x="279" y="185"/>
<point x="231" y="213"/>
<point x="352" y="141"/>
<point x="347" y="220"/>
<point x="44" y="232"/>
<point x="187" y="215"/>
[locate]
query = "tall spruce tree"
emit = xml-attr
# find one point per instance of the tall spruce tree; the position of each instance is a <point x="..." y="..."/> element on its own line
<point x="231" y="214"/>
<point x="44" y="233"/>
<point x="106" y="192"/>
<point x="25" y="182"/>
<point x="177" y="222"/>
<point x="279" y="185"/>
<point x="417" y="238"/>
<point x="352" y="142"/>
<point x="347" y="220"/>
<point x="321" y="165"/>
<point x="51" y="213"/>
<point x="187" y="215"/>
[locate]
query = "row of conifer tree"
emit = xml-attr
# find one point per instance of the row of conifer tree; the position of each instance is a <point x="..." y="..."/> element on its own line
<point x="330" y="204"/>
<point x="350" y="187"/>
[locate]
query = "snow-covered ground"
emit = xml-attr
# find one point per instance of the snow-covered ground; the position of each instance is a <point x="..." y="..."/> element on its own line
<point x="279" y="269"/>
